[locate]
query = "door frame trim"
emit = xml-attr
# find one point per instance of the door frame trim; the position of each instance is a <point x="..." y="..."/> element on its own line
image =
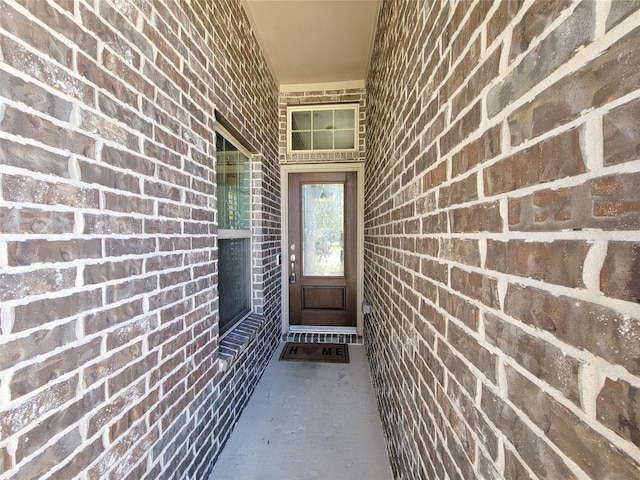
<point x="285" y="170"/>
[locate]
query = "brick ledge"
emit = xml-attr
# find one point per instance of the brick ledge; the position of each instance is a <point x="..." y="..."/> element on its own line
<point x="232" y="345"/>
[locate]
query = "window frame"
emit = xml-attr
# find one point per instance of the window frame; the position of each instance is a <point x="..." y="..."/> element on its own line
<point x="232" y="234"/>
<point x="355" y="107"/>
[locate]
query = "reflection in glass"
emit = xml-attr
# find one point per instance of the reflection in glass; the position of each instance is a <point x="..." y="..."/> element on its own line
<point x="233" y="176"/>
<point x="343" y="119"/>
<point x="323" y="140"/>
<point x="301" y="120"/>
<point x="323" y="120"/>
<point x="323" y="229"/>
<point x="233" y="280"/>
<point x="301" y="140"/>
<point x="343" y="140"/>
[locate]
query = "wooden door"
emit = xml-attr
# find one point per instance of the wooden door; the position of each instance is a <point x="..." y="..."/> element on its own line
<point x="323" y="249"/>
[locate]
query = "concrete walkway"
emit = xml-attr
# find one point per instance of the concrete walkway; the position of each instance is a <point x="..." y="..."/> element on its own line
<point x="311" y="421"/>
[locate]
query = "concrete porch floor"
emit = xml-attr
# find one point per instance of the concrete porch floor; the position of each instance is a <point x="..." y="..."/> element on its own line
<point x="308" y="421"/>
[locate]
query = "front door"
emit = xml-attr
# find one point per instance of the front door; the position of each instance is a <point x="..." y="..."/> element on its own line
<point x="322" y="221"/>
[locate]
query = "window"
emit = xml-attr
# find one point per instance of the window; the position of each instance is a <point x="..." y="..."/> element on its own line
<point x="322" y="128"/>
<point x="233" y="177"/>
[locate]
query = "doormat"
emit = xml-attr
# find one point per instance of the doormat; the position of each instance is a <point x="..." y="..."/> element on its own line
<point x="316" y="352"/>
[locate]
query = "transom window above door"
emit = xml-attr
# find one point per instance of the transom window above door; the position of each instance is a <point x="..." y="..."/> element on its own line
<point x="322" y="128"/>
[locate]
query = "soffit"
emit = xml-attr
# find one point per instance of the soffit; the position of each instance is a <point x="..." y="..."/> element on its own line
<point x="315" y="41"/>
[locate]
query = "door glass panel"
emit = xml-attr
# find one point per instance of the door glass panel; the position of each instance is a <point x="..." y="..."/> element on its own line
<point x="323" y="229"/>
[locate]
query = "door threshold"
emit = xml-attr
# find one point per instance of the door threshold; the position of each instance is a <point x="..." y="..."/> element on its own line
<point x="327" y="335"/>
<point x="320" y="329"/>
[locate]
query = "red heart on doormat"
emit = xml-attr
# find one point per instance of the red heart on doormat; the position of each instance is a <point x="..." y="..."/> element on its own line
<point x="310" y="350"/>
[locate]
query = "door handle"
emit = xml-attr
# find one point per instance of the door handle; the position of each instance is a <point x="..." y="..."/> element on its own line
<point x="292" y="269"/>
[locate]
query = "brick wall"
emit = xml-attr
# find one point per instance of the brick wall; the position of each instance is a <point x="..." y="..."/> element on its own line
<point x="109" y="339"/>
<point x="502" y="227"/>
<point x="314" y="97"/>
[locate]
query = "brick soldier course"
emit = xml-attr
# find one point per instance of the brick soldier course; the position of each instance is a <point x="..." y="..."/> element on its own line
<point x="502" y="225"/>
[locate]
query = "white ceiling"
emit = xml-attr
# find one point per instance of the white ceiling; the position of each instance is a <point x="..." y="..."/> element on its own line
<point x="315" y="41"/>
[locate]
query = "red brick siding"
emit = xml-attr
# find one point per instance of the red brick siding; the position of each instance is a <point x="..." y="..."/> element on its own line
<point x="109" y="346"/>
<point x="501" y="233"/>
